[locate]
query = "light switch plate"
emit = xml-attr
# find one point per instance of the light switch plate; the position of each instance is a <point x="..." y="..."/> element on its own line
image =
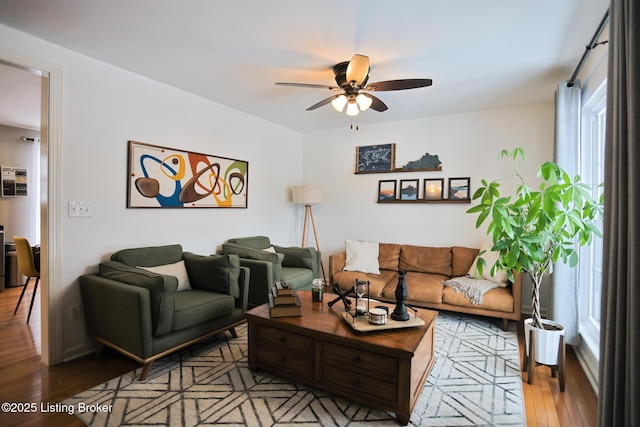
<point x="80" y="209"/>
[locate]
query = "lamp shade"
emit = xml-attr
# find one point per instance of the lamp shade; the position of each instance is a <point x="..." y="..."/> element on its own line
<point x="307" y="194"/>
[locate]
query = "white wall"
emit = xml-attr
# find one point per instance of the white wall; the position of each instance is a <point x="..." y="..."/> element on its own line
<point x="103" y="107"/>
<point x="468" y="145"/>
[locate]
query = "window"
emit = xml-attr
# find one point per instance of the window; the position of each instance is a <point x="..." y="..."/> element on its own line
<point x="592" y="172"/>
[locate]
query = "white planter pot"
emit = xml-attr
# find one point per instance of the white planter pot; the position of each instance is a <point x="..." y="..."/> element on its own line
<point x="546" y="341"/>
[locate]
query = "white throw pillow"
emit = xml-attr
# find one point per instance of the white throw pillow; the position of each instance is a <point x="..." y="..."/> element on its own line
<point x="491" y="257"/>
<point x="177" y="270"/>
<point x="270" y="249"/>
<point x="362" y="256"/>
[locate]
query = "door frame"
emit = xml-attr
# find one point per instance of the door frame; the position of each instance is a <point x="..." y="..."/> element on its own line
<point x="50" y="160"/>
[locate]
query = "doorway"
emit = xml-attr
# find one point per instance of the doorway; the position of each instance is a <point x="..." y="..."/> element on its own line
<point x="50" y="283"/>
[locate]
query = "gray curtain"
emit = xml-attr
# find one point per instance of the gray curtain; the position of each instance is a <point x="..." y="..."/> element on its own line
<point x="563" y="302"/>
<point x="619" y="376"/>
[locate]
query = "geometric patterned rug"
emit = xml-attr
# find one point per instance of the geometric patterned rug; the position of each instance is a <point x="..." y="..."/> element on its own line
<point x="475" y="381"/>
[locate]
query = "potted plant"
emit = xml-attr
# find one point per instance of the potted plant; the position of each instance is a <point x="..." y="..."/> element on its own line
<point x="533" y="228"/>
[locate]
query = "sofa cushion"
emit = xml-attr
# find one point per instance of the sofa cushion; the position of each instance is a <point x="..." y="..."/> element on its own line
<point x="177" y="270"/>
<point x="162" y="291"/>
<point x="499" y="299"/>
<point x="461" y="260"/>
<point x="423" y="287"/>
<point x="377" y="282"/>
<point x="216" y="273"/>
<point x="490" y="257"/>
<point x="389" y="256"/>
<point x="425" y="259"/>
<point x="255" y="242"/>
<point x="150" y="256"/>
<point x="362" y="256"/>
<point x="195" y="306"/>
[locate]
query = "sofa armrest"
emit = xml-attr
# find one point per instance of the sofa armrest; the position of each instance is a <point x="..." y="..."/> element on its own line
<point x="516" y="293"/>
<point x="118" y="313"/>
<point x="243" y="284"/>
<point x="245" y="252"/>
<point x="301" y="258"/>
<point x="161" y="288"/>
<point x="336" y="265"/>
<point x="261" y="280"/>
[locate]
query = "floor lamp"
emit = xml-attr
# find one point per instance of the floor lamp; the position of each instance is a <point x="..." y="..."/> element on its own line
<point x="308" y="195"/>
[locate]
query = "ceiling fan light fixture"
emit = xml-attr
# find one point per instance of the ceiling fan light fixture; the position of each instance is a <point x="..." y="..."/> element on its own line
<point x="352" y="108"/>
<point x="363" y="101"/>
<point x="339" y="102"/>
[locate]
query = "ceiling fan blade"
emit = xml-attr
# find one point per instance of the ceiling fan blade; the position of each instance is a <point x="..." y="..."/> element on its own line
<point x="308" y="85"/>
<point x="377" y="104"/>
<point x="358" y="69"/>
<point x="398" y="84"/>
<point x="323" y="102"/>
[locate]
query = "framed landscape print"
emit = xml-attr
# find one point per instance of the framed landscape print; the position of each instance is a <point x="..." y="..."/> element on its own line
<point x="387" y="190"/>
<point x="375" y="158"/>
<point x="433" y="189"/>
<point x="409" y="189"/>
<point x="459" y="188"/>
<point x="162" y="177"/>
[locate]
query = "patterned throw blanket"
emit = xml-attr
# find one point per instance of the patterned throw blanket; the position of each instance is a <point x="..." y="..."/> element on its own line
<point x="474" y="289"/>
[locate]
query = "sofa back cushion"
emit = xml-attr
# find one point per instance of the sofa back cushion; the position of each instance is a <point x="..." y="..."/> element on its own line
<point x="425" y="259"/>
<point x="215" y="273"/>
<point x="255" y="242"/>
<point x="151" y="256"/>
<point x="461" y="260"/>
<point x="389" y="256"/>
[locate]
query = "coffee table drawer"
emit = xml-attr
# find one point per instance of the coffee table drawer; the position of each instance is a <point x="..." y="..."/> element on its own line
<point x="361" y="384"/>
<point x="367" y="362"/>
<point x="284" y="339"/>
<point x="292" y="364"/>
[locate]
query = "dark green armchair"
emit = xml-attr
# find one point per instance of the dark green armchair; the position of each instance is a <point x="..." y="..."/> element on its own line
<point x="271" y="263"/>
<point x="149" y="302"/>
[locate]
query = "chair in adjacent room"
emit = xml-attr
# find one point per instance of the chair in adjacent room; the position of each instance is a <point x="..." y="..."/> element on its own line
<point x="27" y="267"/>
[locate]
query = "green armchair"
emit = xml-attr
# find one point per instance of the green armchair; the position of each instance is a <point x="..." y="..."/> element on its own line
<point x="271" y="263"/>
<point x="149" y="302"/>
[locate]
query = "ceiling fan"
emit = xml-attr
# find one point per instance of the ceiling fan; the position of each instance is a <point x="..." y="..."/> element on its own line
<point x="351" y="77"/>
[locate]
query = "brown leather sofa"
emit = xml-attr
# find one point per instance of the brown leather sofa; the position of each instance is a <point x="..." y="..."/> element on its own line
<point x="426" y="270"/>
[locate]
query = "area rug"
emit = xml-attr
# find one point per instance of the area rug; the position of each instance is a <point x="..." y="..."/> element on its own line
<point x="475" y="381"/>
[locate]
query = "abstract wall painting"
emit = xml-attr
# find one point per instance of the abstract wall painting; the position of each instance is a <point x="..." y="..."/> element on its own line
<point x="162" y="177"/>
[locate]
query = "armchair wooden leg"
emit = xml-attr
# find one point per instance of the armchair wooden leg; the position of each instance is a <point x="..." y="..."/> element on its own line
<point x="145" y="370"/>
<point x="505" y="325"/>
<point x="233" y="332"/>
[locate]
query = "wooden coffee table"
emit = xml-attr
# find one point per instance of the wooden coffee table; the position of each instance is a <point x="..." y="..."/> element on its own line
<point x="383" y="369"/>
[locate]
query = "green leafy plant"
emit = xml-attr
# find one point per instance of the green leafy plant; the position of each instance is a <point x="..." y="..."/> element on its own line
<point x="532" y="229"/>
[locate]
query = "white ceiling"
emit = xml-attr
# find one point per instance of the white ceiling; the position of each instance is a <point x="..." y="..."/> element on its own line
<point x="481" y="54"/>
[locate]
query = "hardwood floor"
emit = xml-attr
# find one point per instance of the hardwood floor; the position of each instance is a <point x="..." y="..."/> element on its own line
<point x="23" y="378"/>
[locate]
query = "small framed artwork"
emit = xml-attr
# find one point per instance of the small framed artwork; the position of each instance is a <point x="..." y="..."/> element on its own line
<point x="375" y="158"/>
<point x="387" y="190"/>
<point x="432" y="189"/>
<point x="459" y="188"/>
<point x="408" y="189"/>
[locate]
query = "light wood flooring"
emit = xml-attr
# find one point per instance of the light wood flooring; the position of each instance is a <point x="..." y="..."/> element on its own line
<point x="23" y="378"/>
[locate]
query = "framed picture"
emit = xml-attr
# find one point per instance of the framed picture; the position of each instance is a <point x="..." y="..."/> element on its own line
<point x="432" y="189"/>
<point x="459" y="188"/>
<point x="375" y="158"/>
<point x="162" y="177"/>
<point x="408" y="189"/>
<point x="387" y="190"/>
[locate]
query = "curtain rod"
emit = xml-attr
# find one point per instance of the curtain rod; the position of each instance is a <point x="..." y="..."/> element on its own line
<point x="589" y="48"/>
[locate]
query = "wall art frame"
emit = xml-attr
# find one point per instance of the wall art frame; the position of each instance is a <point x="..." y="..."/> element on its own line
<point x="387" y="190"/>
<point x="460" y="188"/>
<point x="433" y="189"/>
<point x="163" y="177"/>
<point x="409" y="189"/>
<point x="376" y="158"/>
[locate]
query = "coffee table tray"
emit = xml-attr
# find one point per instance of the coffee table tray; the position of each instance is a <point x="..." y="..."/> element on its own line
<point x="361" y="323"/>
